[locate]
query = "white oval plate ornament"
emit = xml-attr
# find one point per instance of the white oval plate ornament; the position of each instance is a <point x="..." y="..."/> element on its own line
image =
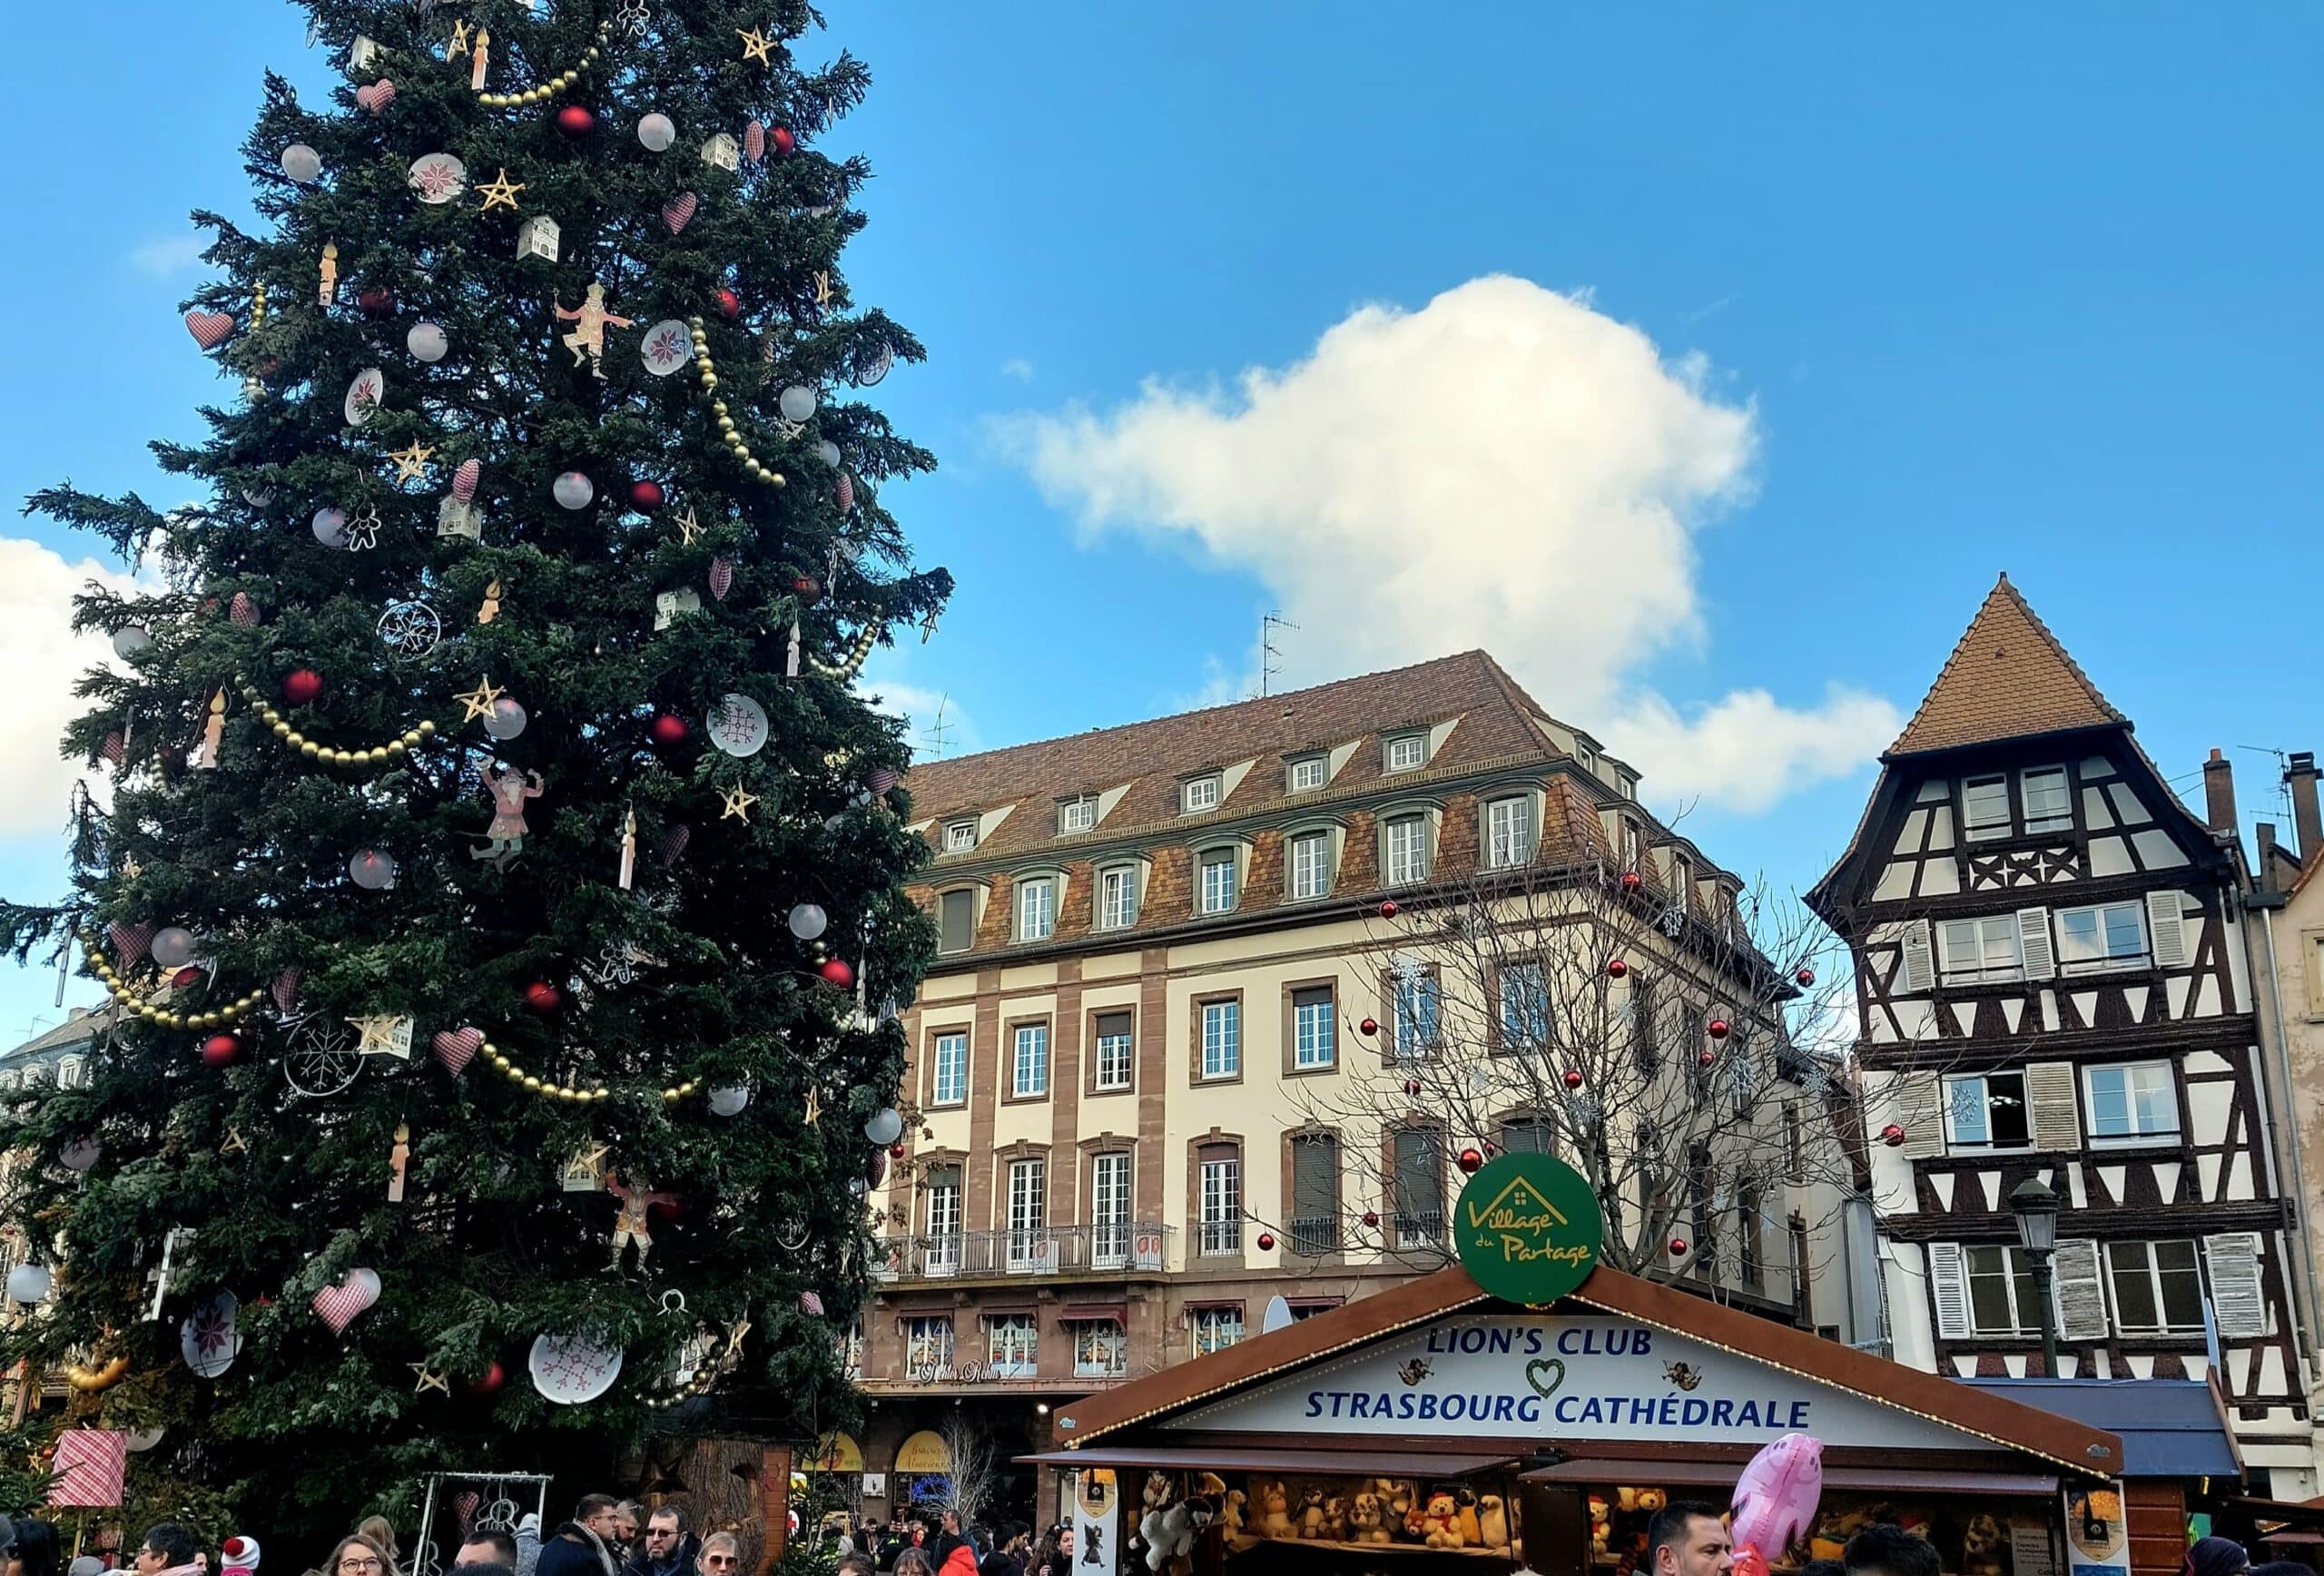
<point x="439" y="178"/>
<point x="209" y="1339"/>
<point x="738" y="726"/>
<point x="571" y="1369"/>
<point x="363" y="396"/>
<point x="668" y="346"/>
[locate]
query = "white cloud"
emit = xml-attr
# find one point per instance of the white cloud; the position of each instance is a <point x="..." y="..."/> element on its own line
<point x="1019" y="367"/>
<point x="43" y="659"/>
<point x="169" y="253"/>
<point x="1507" y="468"/>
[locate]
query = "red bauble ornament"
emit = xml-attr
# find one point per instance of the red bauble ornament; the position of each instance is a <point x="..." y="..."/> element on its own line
<point x="189" y="975"/>
<point x="1616" y="967"/>
<point x="1388" y="909"/>
<point x="1633" y="881"/>
<point x="543" y="997"/>
<point x="1678" y="1247"/>
<point x="1892" y="1134"/>
<point x="780" y="140"/>
<point x="1411" y="1088"/>
<point x="645" y="496"/>
<point x="1716" y="1029"/>
<point x="1369" y="1026"/>
<point x="220" y="1050"/>
<point x="730" y="303"/>
<point x="376" y="302"/>
<point x="809" y="589"/>
<point x="668" y="729"/>
<point x="1470" y="1161"/>
<point x="896" y="1151"/>
<point x="1371" y="1218"/>
<point x="1267" y="1242"/>
<point x="303" y="686"/>
<point x="1491" y="1150"/>
<point x="1707" y="1058"/>
<point x="489" y="1381"/>
<point x="836" y="972"/>
<point x="1573" y="1078"/>
<point x="575" y="120"/>
<point x="1806" y="976"/>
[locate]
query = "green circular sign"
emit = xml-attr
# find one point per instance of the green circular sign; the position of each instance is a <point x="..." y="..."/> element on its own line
<point x="1527" y="1228"/>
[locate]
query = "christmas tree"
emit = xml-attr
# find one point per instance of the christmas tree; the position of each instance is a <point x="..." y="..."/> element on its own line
<point x="496" y="877"/>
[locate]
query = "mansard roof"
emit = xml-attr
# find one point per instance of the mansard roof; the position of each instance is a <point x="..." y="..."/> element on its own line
<point x="2008" y="678"/>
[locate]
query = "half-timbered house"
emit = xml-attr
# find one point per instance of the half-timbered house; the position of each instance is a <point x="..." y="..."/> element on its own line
<point x="2052" y="979"/>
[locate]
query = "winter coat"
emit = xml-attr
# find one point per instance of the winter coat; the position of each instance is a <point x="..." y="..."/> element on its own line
<point x="960" y="1562"/>
<point x="681" y="1560"/>
<point x="576" y="1551"/>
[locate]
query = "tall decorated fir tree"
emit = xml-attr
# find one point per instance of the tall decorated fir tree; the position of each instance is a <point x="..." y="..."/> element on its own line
<point x="497" y="877"/>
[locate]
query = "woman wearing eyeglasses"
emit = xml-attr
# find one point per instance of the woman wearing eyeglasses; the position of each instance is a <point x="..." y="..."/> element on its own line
<point x="721" y="1554"/>
<point x="168" y="1549"/>
<point x="356" y="1556"/>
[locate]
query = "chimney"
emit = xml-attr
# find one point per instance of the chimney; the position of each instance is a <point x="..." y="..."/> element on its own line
<point x="2299" y="776"/>
<point x="2264" y="832"/>
<point x="2218" y="793"/>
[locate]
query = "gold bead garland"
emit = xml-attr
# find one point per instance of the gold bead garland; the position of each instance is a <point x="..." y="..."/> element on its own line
<point x="532" y="1084"/>
<point x="706" y="373"/>
<point x="214" y="1019"/>
<point x="258" y="305"/>
<point x="852" y="664"/>
<point x="544" y="92"/>
<point x="376" y="756"/>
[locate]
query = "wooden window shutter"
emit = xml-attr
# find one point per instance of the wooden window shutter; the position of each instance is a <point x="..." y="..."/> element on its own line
<point x="2034" y="943"/>
<point x="1948" y="1285"/>
<point x="2166" y="930"/>
<point x="1917" y="1106"/>
<point x="2238" y="1305"/>
<point x="2081" y="1293"/>
<point x="2050" y="1092"/>
<point x="1920" y="966"/>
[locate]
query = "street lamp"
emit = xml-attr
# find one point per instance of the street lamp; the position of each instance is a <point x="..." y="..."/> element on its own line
<point x="2036" y="1209"/>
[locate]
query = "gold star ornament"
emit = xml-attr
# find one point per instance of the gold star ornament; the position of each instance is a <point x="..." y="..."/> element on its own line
<point x="756" y="45"/>
<point x="688" y="526"/>
<point x="412" y="463"/>
<point x="383" y="1034"/>
<point x="739" y="801"/>
<point x="479" y="701"/>
<point x="428" y="1380"/>
<point x="499" y="193"/>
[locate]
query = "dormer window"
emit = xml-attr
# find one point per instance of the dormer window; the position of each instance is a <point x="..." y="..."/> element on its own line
<point x="1079" y="813"/>
<point x="959" y="836"/>
<point x="1307" y="775"/>
<point x="1198" y="794"/>
<point x="1407" y="751"/>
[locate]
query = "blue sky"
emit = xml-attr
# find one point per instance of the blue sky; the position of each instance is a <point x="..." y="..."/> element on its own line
<point x="1676" y="354"/>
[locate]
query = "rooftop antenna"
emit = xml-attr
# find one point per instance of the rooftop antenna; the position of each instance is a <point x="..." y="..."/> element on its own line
<point x="935" y="736"/>
<point x="1270" y="659"/>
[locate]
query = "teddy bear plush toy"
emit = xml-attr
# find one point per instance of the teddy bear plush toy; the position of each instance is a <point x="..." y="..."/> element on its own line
<point x="1981" y="1546"/>
<point x="1363" y="1519"/>
<point x="1440" y="1522"/>
<point x="1275" y="1511"/>
<point x="1335" y="1518"/>
<point x="1311" y="1511"/>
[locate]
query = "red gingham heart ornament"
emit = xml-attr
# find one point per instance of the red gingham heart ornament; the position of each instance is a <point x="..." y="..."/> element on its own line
<point x="210" y="330"/>
<point x="812" y="1303"/>
<point x="286" y="987"/>
<point x="129" y="942"/>
<point x="721" y="577"/>
<point x="357" y="1290"/>
<point x="844" y="489"/>
<point x="678" y="209"/>
<point x="674" y="844"/>
<point x="242" y="611"/>
<point x="464" y="479"/>
<point x="754" y="141"/>
<point x="464" y="1505"/>
<point x="378" y="96"/>
<point x="455" y="1046"/>
<point x="115" y="748"/>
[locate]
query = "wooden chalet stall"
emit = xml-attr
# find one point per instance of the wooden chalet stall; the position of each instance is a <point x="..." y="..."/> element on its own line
<point x="1544" y="1435"/>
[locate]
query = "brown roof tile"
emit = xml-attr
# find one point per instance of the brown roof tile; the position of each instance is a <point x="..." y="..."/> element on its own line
<point x="2008" y="678"/>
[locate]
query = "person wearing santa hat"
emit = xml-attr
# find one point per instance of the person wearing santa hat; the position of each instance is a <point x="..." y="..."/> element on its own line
<point x="239" y="1555"/>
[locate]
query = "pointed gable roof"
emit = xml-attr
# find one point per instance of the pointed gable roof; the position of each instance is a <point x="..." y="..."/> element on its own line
<point x="2008" y="678"/>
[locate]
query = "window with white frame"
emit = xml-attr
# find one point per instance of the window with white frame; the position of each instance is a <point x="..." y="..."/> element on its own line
<point x="1115" y="1031"/>
<point x="1407" y="751"/>
<point x="1036" y="909"/>
<point x="1629" y="844"/>
<point x="1214" y="1329"/>
<point x="2158" y="1286"/>
<point x="1986" y="948"/>
<point x="1220" y="1178"/>
<point x="1217" y="895"/>
<point x="1407" y="849"/>
<point x="943" y="1256"/>
<point x="850" y="1348"/>
<point x="928" y="1346"/>
<point x="1100" y="1350"/>
<point x="1984" y="806"/>
<point x="1198" y="794"/>
<point x="2002" y="1298"/>
<point x="1509" y="832"/>
<point x="1417" y="1005"/>
<point x="1307" y="773"/>
<point x="2049" y="799"/>
<point x="2101" y="937"/>
<point x="1988" y="1111"/>
<point x="1028" y="1065"/>
<point x="1118" y="897"/>
<point x="1012" y="1344"/>
<point x="1079" y="813"/>
<point x="950" y="1087"/>
<point x="1110" y="1210"/>
<point x="1682" y="880"/>
<point x="1315" y="1043"/>
<point x="1222" y="1039"/>
<point x="1524" y="1006"/>
<point x="2132" y="1103"/>
<point x="1028" y="1213"/>
<point x="959" y="836"/>
<point x="72" y="1072"/>
<point x="1311" y="864"/>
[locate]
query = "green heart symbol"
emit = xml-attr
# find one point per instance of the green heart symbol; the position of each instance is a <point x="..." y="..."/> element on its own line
<point x="1553" y="1366"/>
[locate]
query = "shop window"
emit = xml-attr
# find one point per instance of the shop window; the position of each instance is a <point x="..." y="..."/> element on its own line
<point x="1012" y="1345"/>
<point x="928" y="1347"/>
<point x="1214" y="1329"/>
<point x="1100" y="1350"/>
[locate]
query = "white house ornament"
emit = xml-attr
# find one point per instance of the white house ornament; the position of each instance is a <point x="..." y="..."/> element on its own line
<point x="669" y="607"/>
<point x="668" y="345"/>
<point x="364" y="394"/>
<point x="585" y="1171"/>
<point x="590" y="320"/>
<point x="537" y="237"/>
<point x="723" y="151"/>
<point x="382" y="1034"/>
<point x="361" y="53"/>
<point x="455" y="519"/>
<point x="438" y="178"/>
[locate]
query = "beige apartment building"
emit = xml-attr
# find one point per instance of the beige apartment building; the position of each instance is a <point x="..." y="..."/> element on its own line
<point x="1196" y="1039"/>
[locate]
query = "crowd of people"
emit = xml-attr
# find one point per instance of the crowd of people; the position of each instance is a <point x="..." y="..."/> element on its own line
<point x="912" y="1547"/>
<point x="1689" y="1538"/>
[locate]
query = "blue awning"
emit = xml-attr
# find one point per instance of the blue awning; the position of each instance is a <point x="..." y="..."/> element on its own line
<point x="2170" y="1428"/>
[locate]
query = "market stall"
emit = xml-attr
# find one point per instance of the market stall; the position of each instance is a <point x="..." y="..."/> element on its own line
<point x="1438" y="1424"/>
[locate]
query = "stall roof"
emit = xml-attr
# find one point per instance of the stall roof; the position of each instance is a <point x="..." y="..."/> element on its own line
<point x="2006" y="1422"/>
<point x="1722" y="1475"/>
<point x="2169" y="1427"/>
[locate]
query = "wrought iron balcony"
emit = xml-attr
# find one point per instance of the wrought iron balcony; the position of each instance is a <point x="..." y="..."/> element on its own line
<point x="1124" y="1248"/>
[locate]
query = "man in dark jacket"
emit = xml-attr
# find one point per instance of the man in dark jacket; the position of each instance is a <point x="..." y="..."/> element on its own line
<point x="670" y="1550"/>
<point x="582" y="1547"/>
